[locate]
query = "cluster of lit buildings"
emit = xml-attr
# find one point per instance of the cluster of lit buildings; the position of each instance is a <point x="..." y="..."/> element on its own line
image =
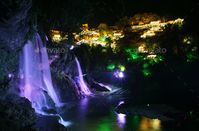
<point x="150" y="30"/>
<point x="154" y="27"/>
<point x="103" y="35"/>
<point x="108" y="36"/>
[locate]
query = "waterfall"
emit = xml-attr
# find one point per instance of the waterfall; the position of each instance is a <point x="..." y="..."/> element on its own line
<point x="35" y="78"/>
<point x="83" y="87"/>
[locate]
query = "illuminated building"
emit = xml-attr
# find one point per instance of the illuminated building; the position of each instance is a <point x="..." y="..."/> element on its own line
<point x="58" y="36"/>
<point x="103" y="36"/>
<point x="151" y="56"/>
<point x="142" y="49"/>
<point x="154" y="27"/>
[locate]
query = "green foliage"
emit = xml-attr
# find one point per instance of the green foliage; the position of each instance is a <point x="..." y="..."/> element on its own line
<point x="121" y="67"/>
<point x="110" y="67"/>
<point x="146" y="72"/>
<point x="133" y="55"/>
<point x="192" y="56"/>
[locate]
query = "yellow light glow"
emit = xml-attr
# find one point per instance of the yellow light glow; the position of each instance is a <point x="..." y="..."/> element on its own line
<point x="187" y="40"/>
<point x="147" y="124"/>
<point x="151" y="56"/>
<point x="148" y="34"/>
<point x="144" y="124"/>
<point x="155" y="22"/>
<point x="57" y="37"/>
<point x="142" y="49"/>
<point x="154" y="26"/>
<point x="85" y="27"/>
<point x="156" y="124"/>
<point x="98" y="36"/>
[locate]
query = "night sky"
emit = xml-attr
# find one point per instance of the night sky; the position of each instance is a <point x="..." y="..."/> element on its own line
<point x="115" y="10"/>
<point x="109" y="11"/>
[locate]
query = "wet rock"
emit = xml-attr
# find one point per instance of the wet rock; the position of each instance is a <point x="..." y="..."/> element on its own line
<point x="13" y="22"/>
<point x="50" y="111"/>
<point x="99" y="87"/>
<point x="65" y="74"/>
<point x="16" y="113"/>
<point x="14" y="29"/>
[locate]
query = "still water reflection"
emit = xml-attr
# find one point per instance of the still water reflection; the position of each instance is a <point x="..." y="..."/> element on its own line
<point x="97" y="114"/>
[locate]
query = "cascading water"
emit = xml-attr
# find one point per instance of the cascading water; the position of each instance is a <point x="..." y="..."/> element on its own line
<point x="83" y="87"/>
<point x="37" y="82"/>
<point x="35" y="77"/>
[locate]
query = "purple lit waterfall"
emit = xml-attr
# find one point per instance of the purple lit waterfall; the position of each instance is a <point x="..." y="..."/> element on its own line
<point x="83" y="87"/>
<point x="36" y="83"/>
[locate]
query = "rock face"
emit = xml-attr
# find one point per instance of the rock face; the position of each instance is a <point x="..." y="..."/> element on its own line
<point x="64" y="73"/>
<point x="14" y="22"/>
<point x="16" y="113"/>
<point x="14" y="26"/>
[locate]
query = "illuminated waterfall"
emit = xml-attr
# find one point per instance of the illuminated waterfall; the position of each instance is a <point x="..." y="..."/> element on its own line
<point x="83" y="87"/>
<point x="35" y="78"/>
<point x="36" y="82"/>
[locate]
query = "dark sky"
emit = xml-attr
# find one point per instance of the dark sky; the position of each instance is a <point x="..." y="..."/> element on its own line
<point x="162" y="6"/>
<point x="117" y="8"/>
<point x="178" y="7"/>
<point x="110" y="11"/>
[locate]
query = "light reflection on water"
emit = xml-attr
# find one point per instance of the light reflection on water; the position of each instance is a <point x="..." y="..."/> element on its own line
<point x="121" y="120"/>
<point x="97" y="115"/>
<point x="83" y="106"/>
<point x="147" y="124"/>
